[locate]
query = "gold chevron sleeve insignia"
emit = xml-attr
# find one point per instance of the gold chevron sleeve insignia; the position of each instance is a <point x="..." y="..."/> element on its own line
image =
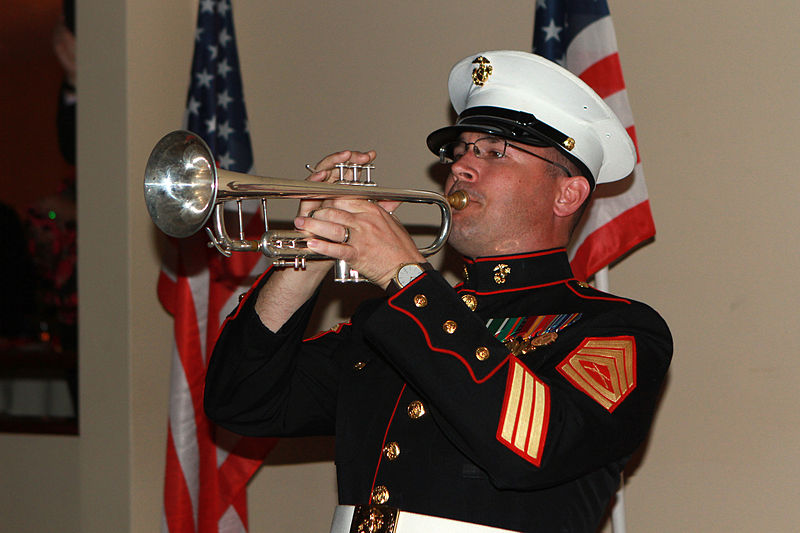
<point x="604" y="368"/>
<point x="526" y="411"/>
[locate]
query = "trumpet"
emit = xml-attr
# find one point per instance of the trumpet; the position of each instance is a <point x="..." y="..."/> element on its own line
<point x="184" y="190"/>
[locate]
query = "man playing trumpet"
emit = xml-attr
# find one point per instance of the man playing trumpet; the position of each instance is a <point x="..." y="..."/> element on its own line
<point x="509" y="402"/>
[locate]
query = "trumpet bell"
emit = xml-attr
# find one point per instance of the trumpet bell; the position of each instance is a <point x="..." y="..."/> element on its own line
<point x="180" y="186"/>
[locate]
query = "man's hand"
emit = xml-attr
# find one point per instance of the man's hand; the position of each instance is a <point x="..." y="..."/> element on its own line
<point x="287" y="289"/>
<point x="362" y="233"/>
<point x="326" y="170"/>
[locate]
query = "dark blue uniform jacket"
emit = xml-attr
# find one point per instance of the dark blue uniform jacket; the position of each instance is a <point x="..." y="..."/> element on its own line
<point x="512" y="400"/>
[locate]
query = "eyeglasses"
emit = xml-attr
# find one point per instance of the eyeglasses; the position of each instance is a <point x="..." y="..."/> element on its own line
<point x="487" y="148"/>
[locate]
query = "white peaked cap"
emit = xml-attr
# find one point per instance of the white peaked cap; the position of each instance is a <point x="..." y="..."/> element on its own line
<point x="524" y="97"/>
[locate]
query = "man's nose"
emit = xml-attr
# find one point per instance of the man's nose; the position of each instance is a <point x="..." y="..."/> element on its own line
<point x="464" y="168"/>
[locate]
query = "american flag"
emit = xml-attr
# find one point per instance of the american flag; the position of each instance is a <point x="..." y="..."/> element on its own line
<point x="207" y="469"/>
<point x="579" y="35"/>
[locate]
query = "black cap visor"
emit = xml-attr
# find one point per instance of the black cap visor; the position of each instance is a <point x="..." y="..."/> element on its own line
<point x="507" y="124"/>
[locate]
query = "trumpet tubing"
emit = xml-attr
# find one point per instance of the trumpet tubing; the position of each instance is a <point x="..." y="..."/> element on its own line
<point x="184" y="190"/>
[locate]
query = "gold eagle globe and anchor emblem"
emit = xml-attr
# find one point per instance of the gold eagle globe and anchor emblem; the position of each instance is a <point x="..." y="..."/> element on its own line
<point x="373" y="523"/>
<point x="481" y="73"/>
<point x="501" y="273"/>
<point x="522" y="346"/>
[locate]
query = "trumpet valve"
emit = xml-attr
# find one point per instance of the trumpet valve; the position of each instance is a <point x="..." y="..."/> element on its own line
<point x="458" y="200"/>
<point x="358" y="174"/>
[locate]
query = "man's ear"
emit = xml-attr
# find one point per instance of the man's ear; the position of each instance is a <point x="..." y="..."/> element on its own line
<point x="571" y="195"/>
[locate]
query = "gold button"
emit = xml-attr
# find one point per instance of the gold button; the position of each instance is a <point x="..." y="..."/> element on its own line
<point x="470" y="301"/>
<point x="466" y="274"/>
<point x="359" y="365"/>
<point x="482" y="353"/>
<point x="416" y="409"/>
<point x="241" y="296"/>
<point x="420" y="300"/>
<point x="391" y="451"/>
<point x="583" y="285"/>
<point x="449" y="326"/>
<point x="380" y="495"/>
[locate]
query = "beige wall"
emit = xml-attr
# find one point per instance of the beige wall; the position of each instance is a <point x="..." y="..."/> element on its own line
<point x="713" y="87"/>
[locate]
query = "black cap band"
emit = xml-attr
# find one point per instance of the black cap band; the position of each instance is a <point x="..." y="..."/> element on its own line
<point x="508" y="124"/>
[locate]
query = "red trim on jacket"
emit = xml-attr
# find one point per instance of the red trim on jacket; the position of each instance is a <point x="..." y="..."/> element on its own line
<point x="383" y="444"/>
<point x="442" y="350"/>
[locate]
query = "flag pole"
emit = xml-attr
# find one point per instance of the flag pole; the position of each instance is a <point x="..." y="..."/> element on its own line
<point x="580" y="36"/>
<point x="206" y="469"/>
<point x="618" y="512"/>
<point x="601" y="279"/>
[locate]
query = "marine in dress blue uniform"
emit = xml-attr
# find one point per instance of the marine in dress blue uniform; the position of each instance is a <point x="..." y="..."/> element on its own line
<point x="511" y="401"/>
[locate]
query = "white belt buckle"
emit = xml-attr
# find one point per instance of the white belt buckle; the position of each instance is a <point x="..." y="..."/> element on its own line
<point x="374" y="519"/>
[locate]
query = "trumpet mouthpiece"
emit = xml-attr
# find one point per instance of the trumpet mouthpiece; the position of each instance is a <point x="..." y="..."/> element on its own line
<point x="458" y="200"/>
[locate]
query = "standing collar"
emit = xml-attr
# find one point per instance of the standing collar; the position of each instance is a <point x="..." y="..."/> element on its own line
<point x="512" y="272"/>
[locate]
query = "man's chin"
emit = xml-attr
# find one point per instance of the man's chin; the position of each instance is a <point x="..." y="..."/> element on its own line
<point x="463" y="244"/>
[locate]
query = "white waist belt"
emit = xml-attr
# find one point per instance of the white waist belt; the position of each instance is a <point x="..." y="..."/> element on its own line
<point x="384" y="519"/>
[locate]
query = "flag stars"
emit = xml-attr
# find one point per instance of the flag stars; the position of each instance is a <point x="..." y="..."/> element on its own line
<point x="215" y="104"/>
<point x="206" y="6"/>
<point x="226" y="161"/>
<point x="225" y="130"/>
<point x="223" y="68"/>
<point x="551" y="31"/>
<point x="224" y="99"/>
<point x="193" y="107"/>
<point x="223" y="8"/>
<point x="204" y="79"/>
<point x="224" y="37"/>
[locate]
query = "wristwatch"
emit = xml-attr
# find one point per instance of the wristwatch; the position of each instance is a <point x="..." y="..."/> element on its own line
<point x="406" y="273"/>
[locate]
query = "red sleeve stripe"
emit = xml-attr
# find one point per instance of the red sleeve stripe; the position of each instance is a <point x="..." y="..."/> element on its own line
<point x="525" y="415"/>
